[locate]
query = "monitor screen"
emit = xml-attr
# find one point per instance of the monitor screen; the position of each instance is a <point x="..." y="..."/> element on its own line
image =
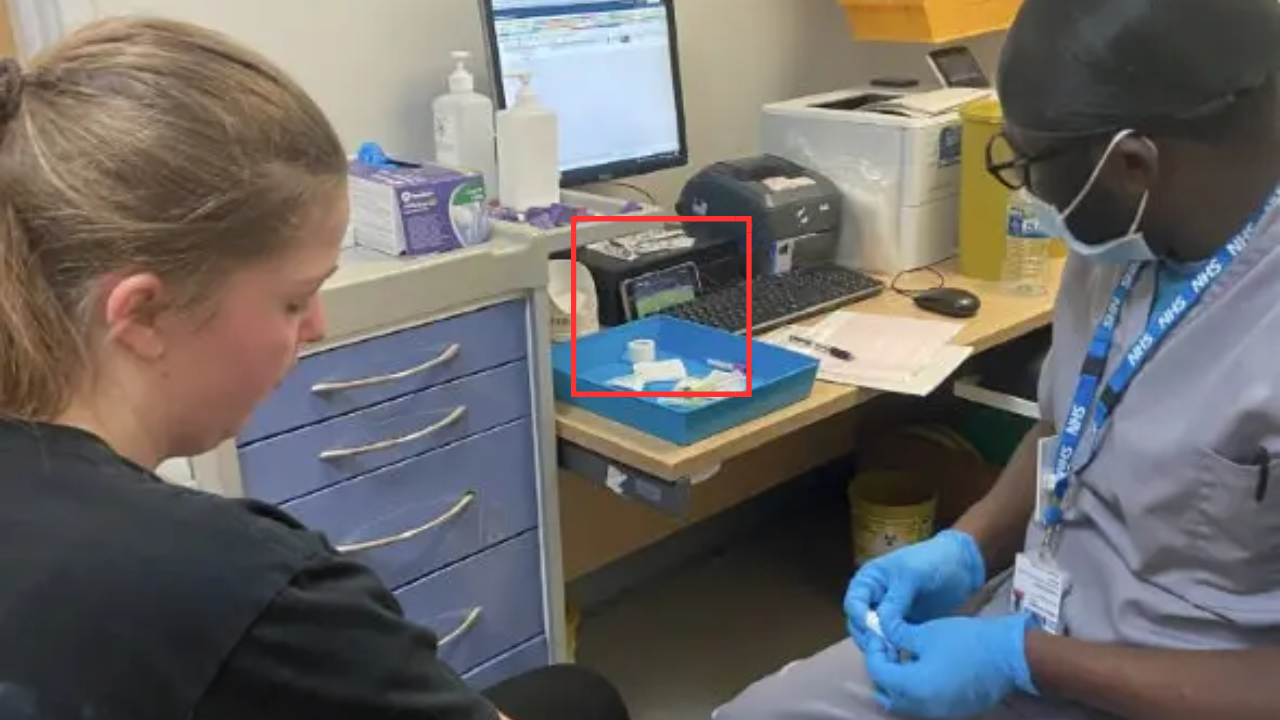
<point x="608" y="69"/>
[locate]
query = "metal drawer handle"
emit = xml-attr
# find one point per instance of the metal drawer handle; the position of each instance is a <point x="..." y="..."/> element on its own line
<point x="452" y="418"/>
<point x="450" y="353"/>
<point x="407" y="535"/>
<point x="462" y="629"/>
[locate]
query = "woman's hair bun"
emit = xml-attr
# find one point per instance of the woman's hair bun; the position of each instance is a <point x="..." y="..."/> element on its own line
<point x="10" y="89"/>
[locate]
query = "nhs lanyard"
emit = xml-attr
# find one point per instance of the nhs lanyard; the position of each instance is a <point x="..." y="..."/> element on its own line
<point x="1158" y="328"/>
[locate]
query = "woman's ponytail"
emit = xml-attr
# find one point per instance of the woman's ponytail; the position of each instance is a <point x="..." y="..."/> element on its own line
<point x="38" y="350"/>
<point x="38" y="345"/>
<point x="32" y="340"/>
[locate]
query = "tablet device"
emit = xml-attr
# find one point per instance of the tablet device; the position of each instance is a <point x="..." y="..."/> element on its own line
<point x="651" y="293"/>
<point x="956" y="67"/>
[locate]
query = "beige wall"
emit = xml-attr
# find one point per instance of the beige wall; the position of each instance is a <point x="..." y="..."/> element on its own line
<point x="375" y="65"/>
<point x="777" y="49"/>
<point x="7" y="44"/>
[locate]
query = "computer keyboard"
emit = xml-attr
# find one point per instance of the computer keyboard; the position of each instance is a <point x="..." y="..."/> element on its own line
<point x="778" y="300"/>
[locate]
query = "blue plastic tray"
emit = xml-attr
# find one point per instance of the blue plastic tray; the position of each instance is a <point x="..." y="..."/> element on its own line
<point x="779" y="378"/>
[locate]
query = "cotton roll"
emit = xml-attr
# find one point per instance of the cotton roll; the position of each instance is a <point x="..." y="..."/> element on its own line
<point x="642" y="351"/>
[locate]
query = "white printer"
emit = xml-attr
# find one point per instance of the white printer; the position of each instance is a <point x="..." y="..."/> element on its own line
<point x="894" y="154"/>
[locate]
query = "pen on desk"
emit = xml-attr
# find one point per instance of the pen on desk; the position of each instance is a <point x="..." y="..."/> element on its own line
<point x="725" y="366"/>
<point x="834" y="352"/>
<point x="1264" y="475"/>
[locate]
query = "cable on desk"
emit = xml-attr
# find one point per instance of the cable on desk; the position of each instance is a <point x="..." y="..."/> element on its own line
<point x="636" y="189"/>
<point x="932" y="269"/>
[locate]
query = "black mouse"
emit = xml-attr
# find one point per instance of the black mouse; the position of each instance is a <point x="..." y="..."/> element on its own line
<point x="952" y="302"/>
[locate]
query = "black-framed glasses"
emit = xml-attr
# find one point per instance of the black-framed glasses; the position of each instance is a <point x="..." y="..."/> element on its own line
<point x="1011" y="167"/>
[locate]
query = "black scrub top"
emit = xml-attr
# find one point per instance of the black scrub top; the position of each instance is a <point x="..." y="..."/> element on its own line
<point x="123" y="597"/>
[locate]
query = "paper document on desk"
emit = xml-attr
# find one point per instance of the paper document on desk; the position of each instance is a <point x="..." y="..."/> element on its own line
<point x="893" y="354"/>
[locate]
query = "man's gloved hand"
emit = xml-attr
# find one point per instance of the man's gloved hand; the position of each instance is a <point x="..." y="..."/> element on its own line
<point x="918" y="583"/>
<point x="958" y="667"/>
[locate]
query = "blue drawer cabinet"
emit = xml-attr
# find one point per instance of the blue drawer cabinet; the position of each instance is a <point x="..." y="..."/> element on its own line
<point x="410" y="519"/>
<point x="364" y="373"/>
<point x="424" y="449"/>
<point x="484" y="606"/>
<point x="530" y="656"/>
<point x="298" y="463"/>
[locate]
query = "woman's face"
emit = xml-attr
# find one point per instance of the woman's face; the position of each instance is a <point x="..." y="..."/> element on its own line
<point x="220" y="363"/>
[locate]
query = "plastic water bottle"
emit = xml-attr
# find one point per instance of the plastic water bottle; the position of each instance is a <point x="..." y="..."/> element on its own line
<point x="1026" y="248"/>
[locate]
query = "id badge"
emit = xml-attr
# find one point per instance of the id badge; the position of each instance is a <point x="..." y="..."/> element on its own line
<point x="1039" y="589"/>
<point x="1046" y="459"/>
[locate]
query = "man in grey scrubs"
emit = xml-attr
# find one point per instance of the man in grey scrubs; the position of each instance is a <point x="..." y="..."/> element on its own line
<point x="1141" y="519"/>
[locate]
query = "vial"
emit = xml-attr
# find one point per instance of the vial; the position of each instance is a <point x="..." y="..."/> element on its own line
<point x="873" y="624"/>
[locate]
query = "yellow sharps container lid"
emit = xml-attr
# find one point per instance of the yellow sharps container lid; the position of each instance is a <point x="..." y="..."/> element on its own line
<point x="986" y="110"/>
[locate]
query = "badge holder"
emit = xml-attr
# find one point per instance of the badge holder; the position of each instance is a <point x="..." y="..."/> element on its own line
<point x="1038" y="590"/>
<point x="1039" y="587"/>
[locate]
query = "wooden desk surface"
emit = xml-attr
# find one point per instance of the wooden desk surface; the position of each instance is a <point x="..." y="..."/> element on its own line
<point x="1003" y="317"/>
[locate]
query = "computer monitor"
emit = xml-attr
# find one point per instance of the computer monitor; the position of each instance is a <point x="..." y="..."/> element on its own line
<point x="610" y="71"/>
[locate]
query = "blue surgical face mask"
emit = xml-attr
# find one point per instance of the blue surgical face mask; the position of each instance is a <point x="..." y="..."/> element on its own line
<point x="1130" y="247"/>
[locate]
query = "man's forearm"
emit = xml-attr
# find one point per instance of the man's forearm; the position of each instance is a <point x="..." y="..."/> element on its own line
<point x="1143" y="684"/>
<point x="999" y="521"/>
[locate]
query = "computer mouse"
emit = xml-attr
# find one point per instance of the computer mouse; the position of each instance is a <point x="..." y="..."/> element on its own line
<point x="952" y="302"/>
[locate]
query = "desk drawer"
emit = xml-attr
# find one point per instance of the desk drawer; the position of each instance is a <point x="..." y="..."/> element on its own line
<point x="409" y="519"/>
<point x="528" y="657"/>
<point x="313" y="458"/>
<point x="483" y="606"/>
<point x="356" y="376"/>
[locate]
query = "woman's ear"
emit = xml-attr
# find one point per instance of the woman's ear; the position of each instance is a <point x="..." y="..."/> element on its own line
<point x="132" y="310"/>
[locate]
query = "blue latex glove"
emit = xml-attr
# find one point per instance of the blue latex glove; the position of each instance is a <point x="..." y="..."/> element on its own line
<point x="958" y="667"/>
<point x="918" y="583"/>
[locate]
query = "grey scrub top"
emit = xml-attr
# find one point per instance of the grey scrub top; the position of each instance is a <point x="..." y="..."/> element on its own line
<point x="1170" y="545"/>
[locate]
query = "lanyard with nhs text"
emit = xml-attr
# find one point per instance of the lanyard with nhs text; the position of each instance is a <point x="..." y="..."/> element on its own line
<point x="1158" y="328"/>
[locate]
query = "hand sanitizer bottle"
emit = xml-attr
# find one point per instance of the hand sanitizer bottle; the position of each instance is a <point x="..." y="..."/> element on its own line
<point x="528" y="152"/>
<point x="465" y="126"/>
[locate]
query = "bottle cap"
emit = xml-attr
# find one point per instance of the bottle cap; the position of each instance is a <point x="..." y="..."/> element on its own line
<point x="526" y="96"/>
<point x="461" y="79"/>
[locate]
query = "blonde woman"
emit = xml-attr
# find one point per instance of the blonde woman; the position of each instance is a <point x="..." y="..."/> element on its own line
<point x="170" y="204"/>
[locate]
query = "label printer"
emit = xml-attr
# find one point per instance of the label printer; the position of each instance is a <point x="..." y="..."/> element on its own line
<point x="795" y="222"/>
<point x="795" y="212"/>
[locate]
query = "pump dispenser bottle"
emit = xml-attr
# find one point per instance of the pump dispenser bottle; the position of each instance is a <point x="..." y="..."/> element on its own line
<point x="528" y="152"/>
<point x="464" y="126"/>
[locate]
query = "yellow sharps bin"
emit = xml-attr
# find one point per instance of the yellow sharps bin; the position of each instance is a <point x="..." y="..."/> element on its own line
<point x="928" y="21"/>
<point x="890" y="510"/>
<point x="984" y="202"/>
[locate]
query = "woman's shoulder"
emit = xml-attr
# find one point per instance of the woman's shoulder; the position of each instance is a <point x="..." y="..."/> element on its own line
<point x="85" y="495"/>
<point x="232" y="537"/>
<point x="133" y="533"/>
<point x="221" y="526"/>
<point x="132" y="584"/>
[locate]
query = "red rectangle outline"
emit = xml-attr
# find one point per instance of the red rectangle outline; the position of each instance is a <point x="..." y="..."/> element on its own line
<point x="573" y="304"/>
